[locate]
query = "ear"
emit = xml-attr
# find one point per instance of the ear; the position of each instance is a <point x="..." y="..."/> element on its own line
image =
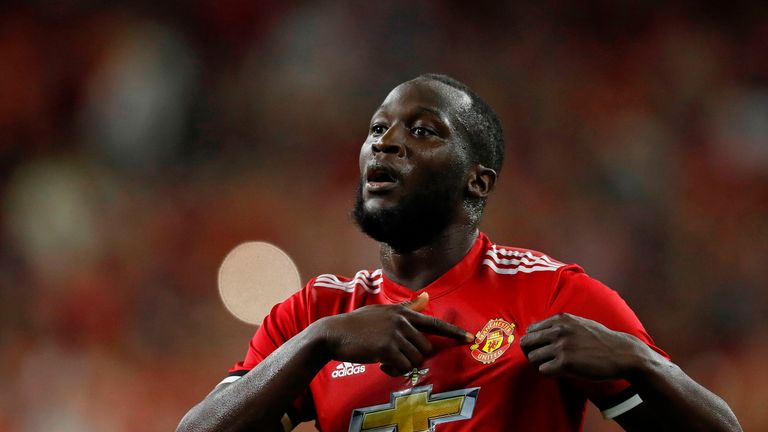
<point x="481" y="181"/>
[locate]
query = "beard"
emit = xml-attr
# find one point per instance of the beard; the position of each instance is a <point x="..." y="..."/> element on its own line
<point x="416" y="221"/>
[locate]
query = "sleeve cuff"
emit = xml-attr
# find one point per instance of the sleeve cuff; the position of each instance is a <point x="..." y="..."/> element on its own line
<point x="229" y="379"/>
<point x="623" y="407"/>
<point x="285" y="421"/>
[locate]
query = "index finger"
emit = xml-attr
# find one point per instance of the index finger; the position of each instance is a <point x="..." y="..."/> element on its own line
<point x="432" y="325"/>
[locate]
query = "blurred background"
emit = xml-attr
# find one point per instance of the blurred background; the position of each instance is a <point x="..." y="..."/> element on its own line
<point x="141" y="140"/>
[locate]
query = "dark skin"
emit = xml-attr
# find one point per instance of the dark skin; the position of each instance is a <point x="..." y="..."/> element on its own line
<point x="568" y="346"/>
<point x="417" y="134"/>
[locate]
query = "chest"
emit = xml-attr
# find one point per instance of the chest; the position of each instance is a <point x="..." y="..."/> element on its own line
<point x="456" y="382"/>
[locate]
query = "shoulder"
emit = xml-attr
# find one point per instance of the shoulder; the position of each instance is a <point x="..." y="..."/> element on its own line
<point x="510" y="260"/>
<point x="331" y="294"/>
<point x="365" y="280"/>
<point x="557" y="279"/>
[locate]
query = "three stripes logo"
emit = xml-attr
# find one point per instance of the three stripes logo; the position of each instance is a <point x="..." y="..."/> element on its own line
<point x="508" y="261"/>
<point x="347" y="369"/>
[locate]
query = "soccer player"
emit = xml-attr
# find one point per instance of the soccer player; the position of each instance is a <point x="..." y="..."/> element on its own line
<point x="454" y="332"/>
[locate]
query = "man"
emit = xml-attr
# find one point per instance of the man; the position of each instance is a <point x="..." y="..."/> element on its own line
<point x="454" y="332"/>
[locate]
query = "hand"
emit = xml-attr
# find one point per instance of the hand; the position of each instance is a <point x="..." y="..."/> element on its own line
<point x="571" y="346"/>
<point x="388" y="334"/>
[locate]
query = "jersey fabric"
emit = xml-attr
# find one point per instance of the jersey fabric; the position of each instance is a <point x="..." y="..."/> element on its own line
<point x="495" y="292"/>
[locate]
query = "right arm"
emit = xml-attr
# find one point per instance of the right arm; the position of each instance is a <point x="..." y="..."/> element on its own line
<point x="264" y="394"/>
<point x="386" y="334"/>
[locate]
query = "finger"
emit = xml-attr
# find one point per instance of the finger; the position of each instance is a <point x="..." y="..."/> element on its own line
<point x="552" y="367"/>
<point x="542" y="355"/>
<point x="545" y="323"/>
<point x="419" y="303"/>
<point x="418" y="340"/>
<point x="430" y="324"/>
<point x="533" y="340"/>
<point x="410" y="352"/>
<point x="397" y="362"/>
<point x="389" y="370"/>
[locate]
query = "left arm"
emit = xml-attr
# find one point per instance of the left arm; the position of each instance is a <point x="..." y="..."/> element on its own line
<point x="565" y="345"/>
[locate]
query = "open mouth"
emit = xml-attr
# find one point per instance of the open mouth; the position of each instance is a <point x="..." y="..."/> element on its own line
<point x="379" y="178"/>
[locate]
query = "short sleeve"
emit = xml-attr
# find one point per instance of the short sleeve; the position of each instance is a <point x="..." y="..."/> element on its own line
<point x="284" y="321"/>
<point x="578" y="294"/>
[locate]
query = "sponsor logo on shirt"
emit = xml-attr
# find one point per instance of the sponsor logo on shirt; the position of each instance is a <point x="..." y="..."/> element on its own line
<point x="492" y="341"/>
<point x="346" y="369"/>
<point x="415" y="410"/>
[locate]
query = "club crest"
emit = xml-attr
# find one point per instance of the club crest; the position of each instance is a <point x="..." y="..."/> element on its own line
<point x="492" y="341"/>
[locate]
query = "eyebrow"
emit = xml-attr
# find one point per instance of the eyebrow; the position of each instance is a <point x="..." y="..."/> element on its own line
<point x="443" y="118"/>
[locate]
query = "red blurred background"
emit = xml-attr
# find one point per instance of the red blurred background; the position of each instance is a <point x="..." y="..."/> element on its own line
<point x="140" y="141"/>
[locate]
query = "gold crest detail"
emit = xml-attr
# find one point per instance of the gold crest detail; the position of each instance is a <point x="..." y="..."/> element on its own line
<point x="492" y="341"/>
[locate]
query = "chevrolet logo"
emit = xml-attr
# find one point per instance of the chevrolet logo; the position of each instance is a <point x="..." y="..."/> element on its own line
<point x="415" y="410"/>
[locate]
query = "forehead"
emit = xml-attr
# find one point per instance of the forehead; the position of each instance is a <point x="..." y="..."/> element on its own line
<point x="443" y="100"/>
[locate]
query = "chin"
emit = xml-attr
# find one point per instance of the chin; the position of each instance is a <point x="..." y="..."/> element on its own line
<point x="405" y="224"/>
<point x="376" y="204"/>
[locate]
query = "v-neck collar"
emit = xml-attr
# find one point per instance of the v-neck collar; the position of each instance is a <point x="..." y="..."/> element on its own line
<point x="453" y="278"/>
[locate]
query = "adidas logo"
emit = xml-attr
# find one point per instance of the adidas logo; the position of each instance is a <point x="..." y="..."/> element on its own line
<point x="345" y="369"/>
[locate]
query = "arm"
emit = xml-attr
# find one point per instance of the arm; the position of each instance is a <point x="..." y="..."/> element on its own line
<point x="386" y="334"/>
<point x="569" y="346"/>
<point x="262" y="395"/>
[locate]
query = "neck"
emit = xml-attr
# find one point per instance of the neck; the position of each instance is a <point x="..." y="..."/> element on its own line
<point x="419" y="268"/>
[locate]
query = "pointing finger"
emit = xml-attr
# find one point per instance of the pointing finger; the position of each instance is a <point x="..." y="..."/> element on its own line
<point x="429" y="324"/>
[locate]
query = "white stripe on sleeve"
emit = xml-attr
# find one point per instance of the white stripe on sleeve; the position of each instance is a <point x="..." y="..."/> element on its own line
<point x="622" y="407"/>
<point x="229" y="379"/>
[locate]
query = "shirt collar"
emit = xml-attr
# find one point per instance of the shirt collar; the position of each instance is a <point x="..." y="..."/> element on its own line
<point x="453" y="278"/>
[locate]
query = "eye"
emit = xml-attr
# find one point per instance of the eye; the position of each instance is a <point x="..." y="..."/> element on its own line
<point x="378" y="129"/>
<point x="421" y="131"/>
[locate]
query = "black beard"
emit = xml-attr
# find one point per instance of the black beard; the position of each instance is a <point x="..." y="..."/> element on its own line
<point x="413" y="223"/>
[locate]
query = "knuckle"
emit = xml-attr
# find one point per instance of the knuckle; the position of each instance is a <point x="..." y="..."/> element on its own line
<point x="401" y="322"/>
<point x="558" y="330"/>
<point x="570" y="318"/>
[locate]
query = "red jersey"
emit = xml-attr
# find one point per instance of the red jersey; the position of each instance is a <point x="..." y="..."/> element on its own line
<point x="494" y="291"/>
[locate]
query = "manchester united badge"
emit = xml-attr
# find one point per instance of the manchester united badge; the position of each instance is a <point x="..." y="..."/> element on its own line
<point x="492" y="341"/>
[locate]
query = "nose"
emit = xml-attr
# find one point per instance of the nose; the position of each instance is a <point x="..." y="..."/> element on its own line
<point x="389" y="143"/>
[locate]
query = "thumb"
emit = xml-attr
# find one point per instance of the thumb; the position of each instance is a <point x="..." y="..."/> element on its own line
<point x="419" y="303"/>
